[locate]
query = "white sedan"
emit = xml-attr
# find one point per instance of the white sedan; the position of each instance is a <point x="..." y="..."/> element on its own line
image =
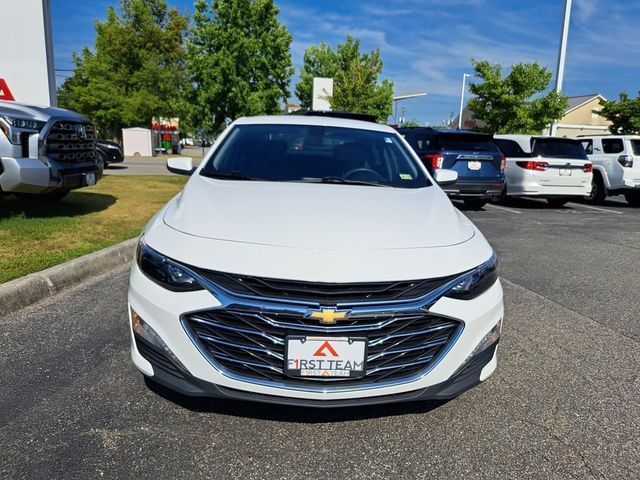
<point x="554" y="168"/>
<point x="313" y="261"/>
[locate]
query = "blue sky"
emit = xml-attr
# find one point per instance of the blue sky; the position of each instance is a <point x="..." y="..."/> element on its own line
<point x="427" y="45"/>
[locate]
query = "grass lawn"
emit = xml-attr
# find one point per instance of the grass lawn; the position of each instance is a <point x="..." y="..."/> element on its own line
<point x="35" y="236"/>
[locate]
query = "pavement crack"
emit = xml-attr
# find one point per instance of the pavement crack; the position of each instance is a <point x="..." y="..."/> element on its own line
<point x="595" y="473"/>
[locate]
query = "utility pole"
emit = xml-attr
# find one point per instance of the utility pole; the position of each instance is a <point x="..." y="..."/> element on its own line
<point x="562" y="53"/>
<point x="464" y="78"/>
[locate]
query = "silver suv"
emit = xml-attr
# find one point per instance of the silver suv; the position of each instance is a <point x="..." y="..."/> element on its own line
<point x="616" y="166"/>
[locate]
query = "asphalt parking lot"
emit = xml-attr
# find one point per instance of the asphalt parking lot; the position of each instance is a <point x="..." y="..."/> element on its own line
<point x="564" y="402"/>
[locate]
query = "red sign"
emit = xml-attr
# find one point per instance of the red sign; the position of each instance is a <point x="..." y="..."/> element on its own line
<point x="5" y="93"/>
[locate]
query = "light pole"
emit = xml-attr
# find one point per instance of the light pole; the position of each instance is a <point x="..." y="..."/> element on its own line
<point x="397" y="98"/>
<point x="562" y="52"/>
<point x="464" y="79"/>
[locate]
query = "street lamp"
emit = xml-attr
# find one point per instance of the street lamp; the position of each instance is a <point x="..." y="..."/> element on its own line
<point x="397" y="98"/>
<point x="562" y="52"/>
<point x="464" y="79"/>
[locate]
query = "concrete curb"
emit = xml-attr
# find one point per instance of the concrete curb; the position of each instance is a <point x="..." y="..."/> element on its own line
<point x="32" y="288"/>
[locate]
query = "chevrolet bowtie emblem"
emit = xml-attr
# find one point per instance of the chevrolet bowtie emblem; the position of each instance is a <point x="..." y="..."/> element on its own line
<point x="327" y="316"/>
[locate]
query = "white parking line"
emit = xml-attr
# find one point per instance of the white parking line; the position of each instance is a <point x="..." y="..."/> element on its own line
<point x="595" y="208"/>
<point x="511" y="210"/>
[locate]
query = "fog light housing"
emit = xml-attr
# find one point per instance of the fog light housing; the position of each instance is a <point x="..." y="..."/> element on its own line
<point x="144" y="331"/>
<point x="492" y="337"/>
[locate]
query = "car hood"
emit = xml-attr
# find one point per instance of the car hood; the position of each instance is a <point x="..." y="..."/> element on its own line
<point x="317" y="216"/>
<point x="36" y="112"/>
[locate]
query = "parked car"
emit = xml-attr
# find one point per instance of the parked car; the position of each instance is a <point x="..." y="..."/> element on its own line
<point x="554" y="168"/>
<point x="474" y="155"/>
<point x="331" y="273"/>
<point x="109" y="152"/>
<point x="616" y="166"/>
<point x="45" y="152"/>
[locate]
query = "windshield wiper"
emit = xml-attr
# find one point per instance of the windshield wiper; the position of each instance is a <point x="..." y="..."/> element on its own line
<point x="345" y="181"/>
<point x="228" y="175"/>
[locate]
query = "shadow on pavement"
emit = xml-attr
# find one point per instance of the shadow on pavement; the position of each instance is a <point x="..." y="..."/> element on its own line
<point x="116" y="167"/>
<point x="76" y="203"/>
<point x="287" y="413"/>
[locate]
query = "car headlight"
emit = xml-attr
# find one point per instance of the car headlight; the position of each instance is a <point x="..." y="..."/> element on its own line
<point x="164" y="271"/>
<point x="477" y="281"/>
<point x="14" y="127"/>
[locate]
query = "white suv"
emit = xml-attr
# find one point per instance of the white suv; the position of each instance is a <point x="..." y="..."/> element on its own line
<point x="616" y="166"/>
<point x="313" y="261"/>
<point x="553" y="168"/>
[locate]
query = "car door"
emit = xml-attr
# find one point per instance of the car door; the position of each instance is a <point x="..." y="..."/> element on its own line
<point x="612" y="148"/>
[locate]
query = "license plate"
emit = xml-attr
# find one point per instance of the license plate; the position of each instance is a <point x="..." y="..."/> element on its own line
<point x="565" y="172"/>
<point x="325" y="357"/>
<point x="90" y="179"/>
<point x="474" y="165"/>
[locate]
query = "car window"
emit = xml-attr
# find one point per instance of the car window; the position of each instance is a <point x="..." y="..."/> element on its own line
<point x="421" y="141"/>
<point x="510" y="148"/>
<point x="314" y="153"/>
<point x="588" y="146"/>
<point x="635" y="144"/>
<point x="612" y="145"/>
<point x="558" y="148"/>
<point x="467" y="142"/>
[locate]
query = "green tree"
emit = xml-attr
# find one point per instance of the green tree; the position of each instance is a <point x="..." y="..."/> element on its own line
<point x="410" y="123"/>
<point x="238" y="60"/>
<point x="136" y="70"/>
<point x="355" y="78"/>
<point x="514" y="103"/>
<point x="624" y="114"/>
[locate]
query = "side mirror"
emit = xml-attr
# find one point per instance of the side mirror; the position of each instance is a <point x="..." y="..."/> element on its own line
<point x="443" y="176"/>
<point x="180" y="165"/>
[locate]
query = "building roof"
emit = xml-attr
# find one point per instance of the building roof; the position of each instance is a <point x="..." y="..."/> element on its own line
<point x="575" y="102"/>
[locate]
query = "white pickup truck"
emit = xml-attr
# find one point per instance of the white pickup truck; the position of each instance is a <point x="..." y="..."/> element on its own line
<point x="616" y="166"/>
<point x="45" y="152"/>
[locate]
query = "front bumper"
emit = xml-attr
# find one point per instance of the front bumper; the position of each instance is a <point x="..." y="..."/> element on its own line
<point x="173" y="377"/>
<point x="451" y="375"/>
<point x="32" y="175"/>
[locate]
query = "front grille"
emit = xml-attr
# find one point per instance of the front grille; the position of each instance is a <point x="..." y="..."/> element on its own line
<point x="328" y="294"/>
<point x="71" y="142"/>
<point x="251" y="343"/>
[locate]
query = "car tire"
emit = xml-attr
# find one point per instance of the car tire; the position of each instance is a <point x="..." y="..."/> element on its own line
<point x="598" y="191"/>
<point x="502" y="198"/>
<point x="633" y="198"/>
<point x="557" y="202"/>
<point x="475" y="203"/>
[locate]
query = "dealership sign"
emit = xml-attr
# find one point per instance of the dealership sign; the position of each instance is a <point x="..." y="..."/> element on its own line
<point x="5" y="93"/>
<point x="27" y="73"/>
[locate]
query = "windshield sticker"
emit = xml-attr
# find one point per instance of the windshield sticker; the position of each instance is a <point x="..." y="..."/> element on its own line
<point x="388" y="140"/>
<point x="406" y="176"/>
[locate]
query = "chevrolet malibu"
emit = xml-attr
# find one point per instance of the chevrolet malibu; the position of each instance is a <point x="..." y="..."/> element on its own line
<point x="313" y="261"/>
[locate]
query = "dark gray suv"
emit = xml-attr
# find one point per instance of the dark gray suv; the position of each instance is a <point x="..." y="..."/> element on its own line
<point x="474" y="155"/>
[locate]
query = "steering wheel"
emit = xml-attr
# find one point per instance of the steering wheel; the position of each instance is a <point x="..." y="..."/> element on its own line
<point x="373" y="175"/>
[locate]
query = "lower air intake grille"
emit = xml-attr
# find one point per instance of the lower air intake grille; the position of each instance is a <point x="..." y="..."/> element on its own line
<point x="251" y="344"/>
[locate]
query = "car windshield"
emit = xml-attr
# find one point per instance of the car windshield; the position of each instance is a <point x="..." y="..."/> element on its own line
<point x="468" y="142"/>
<point x="636" y="146"/>
<point x="555" y="148"/>
<point x="315" y="154"/>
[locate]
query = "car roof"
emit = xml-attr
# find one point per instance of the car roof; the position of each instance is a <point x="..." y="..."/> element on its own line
<point x="441" y="130"/>
<point x="313" y="120"/>
<point x="602" y="135"/>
